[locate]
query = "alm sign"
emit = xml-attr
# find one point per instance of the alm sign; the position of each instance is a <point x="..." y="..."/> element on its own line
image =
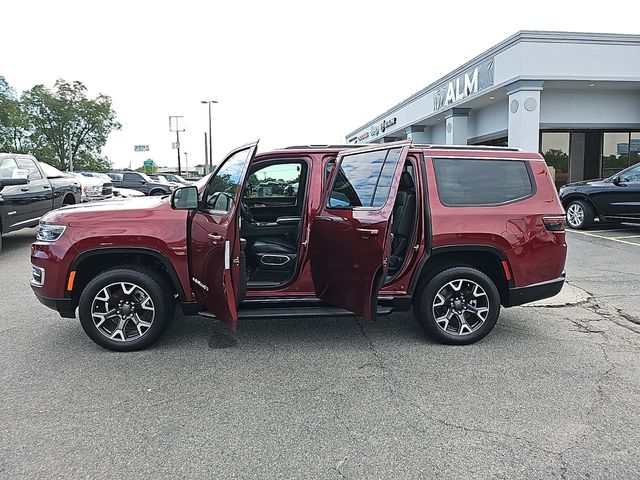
<point x="474" y="80"/>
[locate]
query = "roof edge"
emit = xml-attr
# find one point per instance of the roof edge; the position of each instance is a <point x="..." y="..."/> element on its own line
<point x="520" y="36"/>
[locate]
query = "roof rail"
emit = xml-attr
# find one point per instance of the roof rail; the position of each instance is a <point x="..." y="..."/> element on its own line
<point x="350" y="145"/>
<point x="466" y="147"/>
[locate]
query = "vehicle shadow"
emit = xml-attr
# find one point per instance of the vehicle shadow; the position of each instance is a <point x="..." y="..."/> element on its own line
<point x="288" y="333"/>
<point x="17" y="240"/>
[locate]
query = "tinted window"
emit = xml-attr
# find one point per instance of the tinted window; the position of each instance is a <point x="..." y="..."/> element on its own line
<point x="30" y="165"/>
<point x="279" y="180"/>
<point x="222" y="188"/>
<point x="481" y="182"/>
<point x="7" y="168"/>
<point x="364" y="179"/>
<point x="131" y="177"/>
<point x="631" y="175"/>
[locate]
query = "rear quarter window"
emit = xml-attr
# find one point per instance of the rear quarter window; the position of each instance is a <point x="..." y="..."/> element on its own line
<point x="463" y="181"/>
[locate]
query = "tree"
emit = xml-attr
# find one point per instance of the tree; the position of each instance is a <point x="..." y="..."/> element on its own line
<point x="13" y="128"/>
<point x="557" y="159"/>
<point x="66" y="125"/>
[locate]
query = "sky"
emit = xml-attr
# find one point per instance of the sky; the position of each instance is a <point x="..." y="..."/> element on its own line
<point x="284" y="72"/>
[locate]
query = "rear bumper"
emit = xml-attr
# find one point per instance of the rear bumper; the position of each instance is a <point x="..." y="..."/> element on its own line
<point x="531" y="293"/>
<point x="63" y="306"/>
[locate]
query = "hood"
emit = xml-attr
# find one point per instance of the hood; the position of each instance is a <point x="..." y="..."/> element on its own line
<point x="598" y="182"/>
<point x="126" y="209"/>
<point x="90" y="181"/>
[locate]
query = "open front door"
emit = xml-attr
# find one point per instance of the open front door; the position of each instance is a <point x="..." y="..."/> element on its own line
<point x="214" y="241"/>
<point x="350" y="240"/>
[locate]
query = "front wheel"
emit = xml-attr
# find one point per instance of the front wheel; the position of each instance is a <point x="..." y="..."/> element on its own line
<point x="579" y="214"/>
<point x="458" y="306"/>
<point x="126" y="309"/>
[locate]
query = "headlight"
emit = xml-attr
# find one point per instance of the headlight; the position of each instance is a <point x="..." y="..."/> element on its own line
<point x="49" y="233"/>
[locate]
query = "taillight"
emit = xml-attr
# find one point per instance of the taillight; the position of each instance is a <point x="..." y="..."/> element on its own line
<point x="555" y="223"/>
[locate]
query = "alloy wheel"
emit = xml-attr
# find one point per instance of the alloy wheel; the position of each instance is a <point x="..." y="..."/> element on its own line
<point x="575" y="215"/>
<point x="460" y="307"/>
<point x="123" y="311"/>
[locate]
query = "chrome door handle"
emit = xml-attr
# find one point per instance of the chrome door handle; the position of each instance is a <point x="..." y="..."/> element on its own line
<point x="215" y="237"/>
<point x="367" y="232"/>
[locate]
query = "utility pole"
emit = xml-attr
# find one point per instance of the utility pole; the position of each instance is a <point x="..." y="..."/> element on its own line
<point x="209" y="102"/>
<point x="174" y="126"/>
<point x="70" y="156"/>
<point x="206" y="155"/>
<point x="186" y="162"/>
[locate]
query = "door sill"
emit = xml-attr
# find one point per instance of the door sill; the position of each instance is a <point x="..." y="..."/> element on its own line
<point x="295" y="312"/>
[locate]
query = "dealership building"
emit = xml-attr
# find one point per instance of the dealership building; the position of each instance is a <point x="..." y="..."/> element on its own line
<point x="574" y="97"/>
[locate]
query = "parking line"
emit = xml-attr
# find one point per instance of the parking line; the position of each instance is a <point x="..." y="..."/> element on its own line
<point x="606" y="238"/>
<point x="627" y="236"/>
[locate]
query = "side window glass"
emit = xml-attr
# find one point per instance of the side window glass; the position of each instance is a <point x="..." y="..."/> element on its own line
<point x="328" y="168"/>
<point x="481" y="182"/>
<point x="130" y="177"/>
<point x="7" y="168"/>
<point x="631" y="176"/>
<point x="279" y="180"/>
<point x="30" y="165"/>
<point x="222" y="187"/>
<point x="364" y="179"/>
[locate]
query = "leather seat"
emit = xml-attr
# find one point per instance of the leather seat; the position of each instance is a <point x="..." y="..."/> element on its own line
<point x="404" y="213"/>
<point x="278" y="245"/>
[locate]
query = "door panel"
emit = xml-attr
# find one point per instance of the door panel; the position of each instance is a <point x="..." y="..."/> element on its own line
<point x="40" y="191"/>
<point x="350" y="236"/>
<point x="623" y="198"/>
<point x="214" y="243"/>
<point x="15" y="200"/>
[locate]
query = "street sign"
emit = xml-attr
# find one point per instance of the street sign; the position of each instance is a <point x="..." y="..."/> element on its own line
<point x="148" y="163"/>
<point x="141" y="148"/>
<point x="175" y="145"/>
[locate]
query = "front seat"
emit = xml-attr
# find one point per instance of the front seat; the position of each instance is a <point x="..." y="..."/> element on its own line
<point x="404" y="218"/>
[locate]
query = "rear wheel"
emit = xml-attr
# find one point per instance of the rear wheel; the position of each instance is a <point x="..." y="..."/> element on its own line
<point x="157" y="192"/>
<point x="126" y="309"/>
<point x="458" y="306"/>
<point x="579" y="214"/>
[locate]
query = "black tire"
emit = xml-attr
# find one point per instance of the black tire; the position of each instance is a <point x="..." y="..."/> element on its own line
<point x="580" y="214"/>
<point x="151" y="283"/>
<point x="68" y="200"/>
<point x="157" y="192"/>
<point x="477" y="327"/>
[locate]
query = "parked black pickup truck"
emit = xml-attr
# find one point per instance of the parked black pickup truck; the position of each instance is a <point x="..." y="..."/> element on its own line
<point x="140" y="182"/>
<point x="29" y="189"/>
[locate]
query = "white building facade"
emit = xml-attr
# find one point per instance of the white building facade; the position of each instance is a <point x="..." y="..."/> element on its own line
<point x="575" y="97"/>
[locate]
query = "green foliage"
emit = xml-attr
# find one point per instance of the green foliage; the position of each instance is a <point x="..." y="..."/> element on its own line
<point x="557" y="159"/>
<point x="57" y="125"/>
<point x="152" y="170"/>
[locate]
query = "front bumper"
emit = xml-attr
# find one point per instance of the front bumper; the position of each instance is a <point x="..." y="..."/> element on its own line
<point x="531" y="293"/>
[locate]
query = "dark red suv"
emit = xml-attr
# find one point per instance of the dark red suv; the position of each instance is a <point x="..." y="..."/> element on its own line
<point x="455" y="232"/>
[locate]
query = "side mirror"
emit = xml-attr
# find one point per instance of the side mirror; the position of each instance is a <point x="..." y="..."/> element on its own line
<point x="7" y="182"/>
<point x="618" y="181"/>
<point x="185" y="198"/>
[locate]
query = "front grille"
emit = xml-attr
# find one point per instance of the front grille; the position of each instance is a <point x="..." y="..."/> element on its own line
<point x="107" y="189"/>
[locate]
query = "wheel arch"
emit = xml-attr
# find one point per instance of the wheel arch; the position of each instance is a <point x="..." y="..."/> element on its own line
<point x="89" y="263"/>
<point x="69" y="199"/>
<point x="489" y="260"/>
<point x="579" y="196"/>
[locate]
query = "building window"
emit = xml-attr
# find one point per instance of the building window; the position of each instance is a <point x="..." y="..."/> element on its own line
<point x="555" y="150"/>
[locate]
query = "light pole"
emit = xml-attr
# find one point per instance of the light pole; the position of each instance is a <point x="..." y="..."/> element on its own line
<point x="174" y="126"/>
<point x="210" y="165"/>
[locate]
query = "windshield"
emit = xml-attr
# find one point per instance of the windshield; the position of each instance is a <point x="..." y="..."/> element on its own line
<point x="161" y="179"/>
<point x="146" y="177"/>
<point x="52" y="172"/>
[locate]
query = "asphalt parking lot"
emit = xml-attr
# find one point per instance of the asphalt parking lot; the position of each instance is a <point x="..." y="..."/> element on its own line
<point x="553" y="392"/>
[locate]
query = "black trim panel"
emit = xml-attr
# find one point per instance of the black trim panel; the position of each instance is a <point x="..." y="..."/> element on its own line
<point x="531" y="293"/>
<point x="64" y="306"/>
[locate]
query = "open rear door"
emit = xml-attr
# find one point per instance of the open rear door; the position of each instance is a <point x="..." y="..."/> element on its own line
<point x="350" y="238"/>
<point x="214" y="241"/>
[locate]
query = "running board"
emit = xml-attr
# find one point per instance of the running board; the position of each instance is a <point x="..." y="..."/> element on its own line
<point x="296" y="312"/>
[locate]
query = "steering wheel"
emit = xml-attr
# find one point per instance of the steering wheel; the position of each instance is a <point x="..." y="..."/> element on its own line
<point x="245" y="212"/>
